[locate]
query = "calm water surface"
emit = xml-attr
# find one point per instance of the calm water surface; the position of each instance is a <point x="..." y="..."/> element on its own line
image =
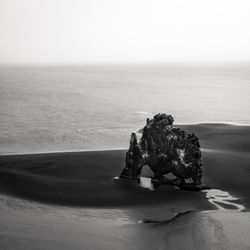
<point x="97" y="107"/>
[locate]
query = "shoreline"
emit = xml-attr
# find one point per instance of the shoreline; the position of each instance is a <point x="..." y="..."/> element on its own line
<point x="196" y="126"/>
<point x="52" y="176"/>
<point x="224" y="149"/>
<point x="63" y="152"/>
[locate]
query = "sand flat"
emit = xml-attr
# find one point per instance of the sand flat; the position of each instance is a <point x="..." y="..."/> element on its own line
<point x="59" y="200"/>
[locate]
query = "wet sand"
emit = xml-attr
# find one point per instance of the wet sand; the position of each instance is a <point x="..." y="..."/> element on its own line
<point x="75" y="191"/>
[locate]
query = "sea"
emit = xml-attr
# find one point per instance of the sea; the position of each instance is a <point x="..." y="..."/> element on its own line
<point x="96" y="107"/>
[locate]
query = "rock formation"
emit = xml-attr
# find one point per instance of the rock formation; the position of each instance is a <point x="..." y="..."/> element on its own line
<point x="133" y="160"/>
<point x="165" y="149"/>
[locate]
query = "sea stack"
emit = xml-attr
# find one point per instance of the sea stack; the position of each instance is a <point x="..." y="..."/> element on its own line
<point x="165" y="149"/>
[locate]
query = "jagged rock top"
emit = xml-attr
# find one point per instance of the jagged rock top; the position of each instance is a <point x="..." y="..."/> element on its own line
<point x="160" y="120"/>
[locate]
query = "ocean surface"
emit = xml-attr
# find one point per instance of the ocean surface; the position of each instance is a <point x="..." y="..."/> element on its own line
<point x="88" y="107"/>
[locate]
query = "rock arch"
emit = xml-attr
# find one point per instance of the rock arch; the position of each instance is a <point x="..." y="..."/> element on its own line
<point x="165" y="149"/>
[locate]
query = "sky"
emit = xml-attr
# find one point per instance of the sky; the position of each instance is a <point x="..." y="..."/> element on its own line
<point x="124" y="31"/>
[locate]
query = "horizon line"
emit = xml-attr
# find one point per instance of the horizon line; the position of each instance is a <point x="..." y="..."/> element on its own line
<point x="120" y="63"/>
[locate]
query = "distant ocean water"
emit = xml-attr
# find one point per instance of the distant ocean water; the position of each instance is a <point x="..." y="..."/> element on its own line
<point x="57" y="108"/>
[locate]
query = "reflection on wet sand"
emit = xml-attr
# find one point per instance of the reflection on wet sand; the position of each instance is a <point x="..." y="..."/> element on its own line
<point x="219" y="198"/>
<point x="146" y="183"/>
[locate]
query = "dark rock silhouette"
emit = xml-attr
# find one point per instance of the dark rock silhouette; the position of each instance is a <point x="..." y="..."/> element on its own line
<point x="133" y="160"/>
<point x="165" y="149"/>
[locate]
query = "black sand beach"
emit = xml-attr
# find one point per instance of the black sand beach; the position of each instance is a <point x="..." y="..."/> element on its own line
<point x="86" y="180"/>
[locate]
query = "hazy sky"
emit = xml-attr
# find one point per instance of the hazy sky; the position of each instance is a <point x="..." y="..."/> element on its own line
<point x="89" y="31"/>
